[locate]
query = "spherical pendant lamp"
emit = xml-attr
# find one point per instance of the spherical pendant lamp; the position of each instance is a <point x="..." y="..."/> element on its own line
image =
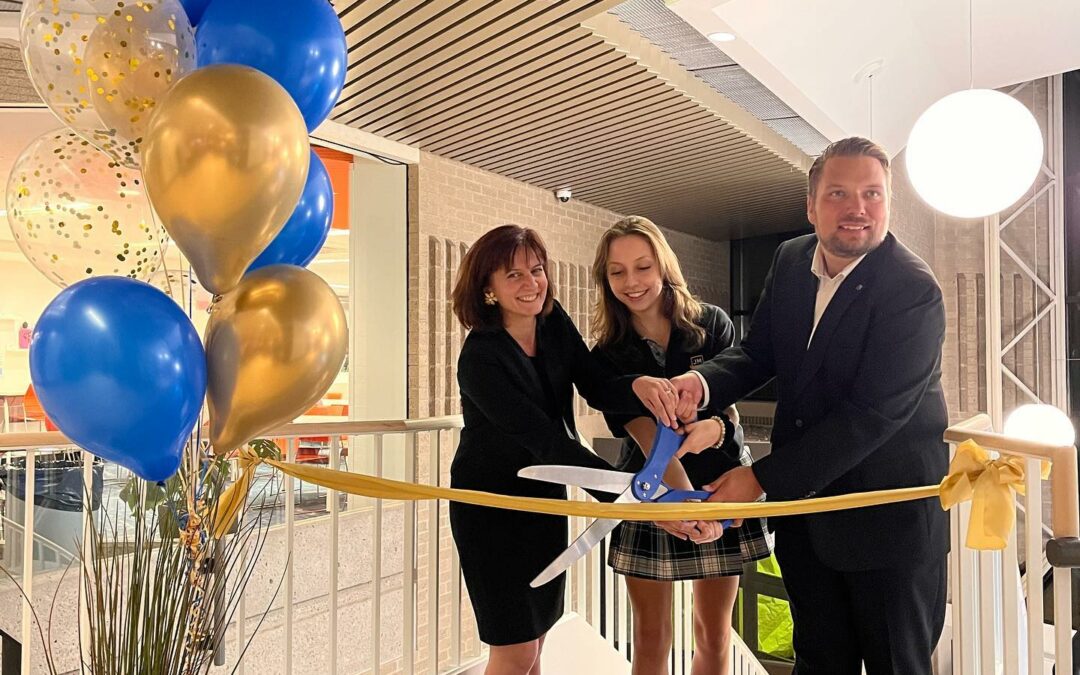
<point x="974" y="153"/>
<point x="1040" y="423"/>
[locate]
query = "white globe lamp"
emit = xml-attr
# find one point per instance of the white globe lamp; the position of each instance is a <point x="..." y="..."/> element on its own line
<point x="974" y="153"/>
<point x="1040" y="423"/>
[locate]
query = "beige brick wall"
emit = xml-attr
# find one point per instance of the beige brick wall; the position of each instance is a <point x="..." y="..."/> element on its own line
<point x="911" y="220"/>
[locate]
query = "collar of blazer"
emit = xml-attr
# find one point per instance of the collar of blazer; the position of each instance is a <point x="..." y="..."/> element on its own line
<point x="853" y="287"/>
<point x="517" y="362"/>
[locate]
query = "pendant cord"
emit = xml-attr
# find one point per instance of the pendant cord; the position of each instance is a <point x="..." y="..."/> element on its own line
<point x="971" y="44"/>
<point x="871" y="78"/>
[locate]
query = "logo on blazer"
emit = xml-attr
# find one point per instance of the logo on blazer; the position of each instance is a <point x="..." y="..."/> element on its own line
<point x="697" y="360"/>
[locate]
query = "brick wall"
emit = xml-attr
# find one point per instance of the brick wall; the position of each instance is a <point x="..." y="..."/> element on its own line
<point x="911" y="220"/>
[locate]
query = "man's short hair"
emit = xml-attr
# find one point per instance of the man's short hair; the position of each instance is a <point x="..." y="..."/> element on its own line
<point x="850" y="147"/>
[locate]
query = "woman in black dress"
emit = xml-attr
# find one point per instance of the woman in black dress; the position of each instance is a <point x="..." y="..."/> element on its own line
<point x="647" y="322"/>
<point x="516" y="371"/>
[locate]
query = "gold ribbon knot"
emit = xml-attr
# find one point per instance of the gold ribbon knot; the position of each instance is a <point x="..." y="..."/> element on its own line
<point x="990" y="485"/>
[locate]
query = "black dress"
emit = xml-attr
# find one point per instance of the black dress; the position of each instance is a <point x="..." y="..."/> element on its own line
<point x="519" y="412"/>
<point x="641" y="549"/>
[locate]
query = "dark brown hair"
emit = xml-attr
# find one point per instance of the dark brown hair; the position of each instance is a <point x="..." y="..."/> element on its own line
<point x="493" y="251"/>
<point x="849" y="147"/>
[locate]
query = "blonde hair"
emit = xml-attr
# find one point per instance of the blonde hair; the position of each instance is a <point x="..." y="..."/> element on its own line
<point x="611" y="319"/>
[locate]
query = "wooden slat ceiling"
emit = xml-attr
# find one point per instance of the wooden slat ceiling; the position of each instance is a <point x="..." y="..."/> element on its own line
<point x="560" y="94"/>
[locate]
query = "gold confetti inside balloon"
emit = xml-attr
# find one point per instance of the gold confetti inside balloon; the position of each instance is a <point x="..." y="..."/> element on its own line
<point x="76" y="213"/>
<point x="102" y="66"/>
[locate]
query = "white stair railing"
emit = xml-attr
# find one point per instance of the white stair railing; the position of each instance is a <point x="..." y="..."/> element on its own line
<point x="996" y="625"/>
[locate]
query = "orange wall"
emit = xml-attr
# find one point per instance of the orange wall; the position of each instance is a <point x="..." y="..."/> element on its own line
<point x="337" y="165"/>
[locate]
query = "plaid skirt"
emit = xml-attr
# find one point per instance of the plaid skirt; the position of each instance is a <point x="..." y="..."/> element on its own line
<point x="641" y="549"/>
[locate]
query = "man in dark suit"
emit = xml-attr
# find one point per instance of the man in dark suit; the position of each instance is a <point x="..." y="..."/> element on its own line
<point x="851" y="325"/>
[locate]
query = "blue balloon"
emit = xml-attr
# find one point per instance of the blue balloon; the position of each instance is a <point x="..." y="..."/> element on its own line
<point x="121" y="371"/>
<point x="306" y="230"/>
<point x="299" y="43"/>
<point x="194" y="10"/>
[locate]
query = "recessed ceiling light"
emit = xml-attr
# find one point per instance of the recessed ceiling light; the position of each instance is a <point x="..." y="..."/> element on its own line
<point x="722" y="37"/>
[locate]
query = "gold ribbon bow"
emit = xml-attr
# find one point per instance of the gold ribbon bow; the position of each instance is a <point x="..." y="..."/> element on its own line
<point x="989" y="484"/>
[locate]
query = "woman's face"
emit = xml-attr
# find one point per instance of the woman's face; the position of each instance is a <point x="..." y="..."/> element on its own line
<point x="633" y="273"/>
<point x="520" y="290"/>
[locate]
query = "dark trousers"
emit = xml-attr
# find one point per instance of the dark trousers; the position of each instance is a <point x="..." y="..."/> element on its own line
<point x="888" y="619"/>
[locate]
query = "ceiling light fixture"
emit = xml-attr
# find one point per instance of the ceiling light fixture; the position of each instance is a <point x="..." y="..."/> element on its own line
<point x="722" y="37"/>
<point x="974" y="152"/>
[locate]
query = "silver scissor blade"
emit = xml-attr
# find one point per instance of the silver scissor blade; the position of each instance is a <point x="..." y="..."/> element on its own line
<point x="603" y="480"/>
<point x="582" y="545"/>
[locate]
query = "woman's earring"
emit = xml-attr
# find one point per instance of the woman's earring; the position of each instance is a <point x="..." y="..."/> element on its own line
<point x="489" y="298"/>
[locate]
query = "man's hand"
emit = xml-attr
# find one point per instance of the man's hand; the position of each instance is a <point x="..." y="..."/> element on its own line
<point x="659" y="396"/>
<point x="700" y="436"/>
<point x="690" y="395"/>
<point x="738" y="485"/>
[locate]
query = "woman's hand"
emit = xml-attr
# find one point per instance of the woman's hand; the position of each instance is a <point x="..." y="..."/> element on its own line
<point x="707" y="531"/>
<point x="680" y="529"/>
<point x="697" y="531"/>
<point x="659" y="396"/>
<point x="701" y="435"/>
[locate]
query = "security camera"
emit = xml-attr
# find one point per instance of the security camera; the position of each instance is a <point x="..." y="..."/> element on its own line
<point x="563" y="195"/>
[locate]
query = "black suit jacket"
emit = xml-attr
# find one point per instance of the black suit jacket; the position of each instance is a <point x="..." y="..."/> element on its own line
<point x="860" y="409"/>
<point x="503" y="403"/>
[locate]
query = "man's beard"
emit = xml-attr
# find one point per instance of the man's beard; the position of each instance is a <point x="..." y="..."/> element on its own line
<point x="840" y="249"/>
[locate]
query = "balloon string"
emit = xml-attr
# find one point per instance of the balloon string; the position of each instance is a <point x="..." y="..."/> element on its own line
<point x="161" y="251"/>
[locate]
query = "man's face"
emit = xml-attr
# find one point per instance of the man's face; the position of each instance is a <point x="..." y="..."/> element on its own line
<point x="850" y="209"/>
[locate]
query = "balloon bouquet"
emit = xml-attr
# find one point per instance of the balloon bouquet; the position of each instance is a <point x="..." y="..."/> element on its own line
<point x="187" y="122"/>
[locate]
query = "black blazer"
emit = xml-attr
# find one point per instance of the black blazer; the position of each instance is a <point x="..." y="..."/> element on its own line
<point x="503" y="403"/>
<point x="861" y="409"/>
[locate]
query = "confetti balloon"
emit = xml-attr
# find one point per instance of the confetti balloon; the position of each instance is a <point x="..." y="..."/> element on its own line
<point x="76" y="213"/>
<point x="102" y="66"/>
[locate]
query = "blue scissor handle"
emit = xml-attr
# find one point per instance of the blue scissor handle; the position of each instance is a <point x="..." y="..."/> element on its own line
<point x="683" y="495"/>
<point x="647" y="482"/>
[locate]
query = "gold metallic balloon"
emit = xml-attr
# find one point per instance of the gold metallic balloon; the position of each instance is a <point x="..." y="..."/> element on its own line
<point x="274" y="345"/>
<point x="225" y="160"/>
<point x="76" y="213"/>
<point x="103" y="66"/>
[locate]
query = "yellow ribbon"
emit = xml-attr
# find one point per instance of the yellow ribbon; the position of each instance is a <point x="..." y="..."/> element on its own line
<point x="231" y="501"/>
<point x="972" y="463"/>
<point x="989" y="484"/>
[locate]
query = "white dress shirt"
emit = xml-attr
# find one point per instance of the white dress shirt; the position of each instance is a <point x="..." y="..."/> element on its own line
<point x="827" y="287"/>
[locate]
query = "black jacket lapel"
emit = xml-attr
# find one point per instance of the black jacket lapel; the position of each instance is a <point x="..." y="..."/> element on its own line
<point x="851" y="288"/>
